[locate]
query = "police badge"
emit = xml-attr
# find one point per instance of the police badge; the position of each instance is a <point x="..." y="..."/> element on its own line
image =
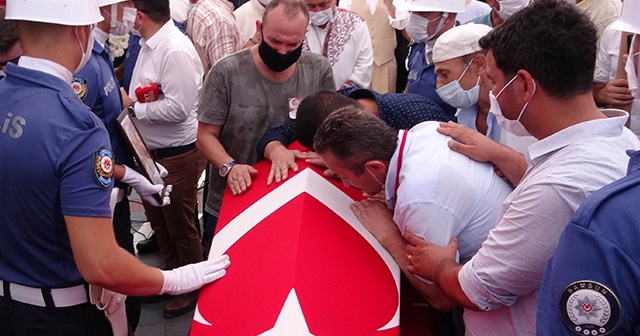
<point x="103" y="165"/>
<point x="589" y="308"/>
<point x="79" y="86"/>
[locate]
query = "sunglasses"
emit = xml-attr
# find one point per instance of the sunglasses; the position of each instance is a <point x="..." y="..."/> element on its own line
<point x="14" y="61"/>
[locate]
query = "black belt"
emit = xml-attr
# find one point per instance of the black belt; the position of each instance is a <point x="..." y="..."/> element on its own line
<point x="172" y="151"/>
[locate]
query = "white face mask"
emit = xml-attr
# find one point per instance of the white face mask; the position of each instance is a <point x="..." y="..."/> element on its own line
<point x="322" y="17"/>
<point x="454" y="95"/>
<point x="417" y="27"/>
<point x="128" y="18"/>
<point x="514" y="127"/>
<point x="510" y="7"/>
<point x="266" y="2"/>
<point x="86" y="51"/>
<point x="135" y="31"/>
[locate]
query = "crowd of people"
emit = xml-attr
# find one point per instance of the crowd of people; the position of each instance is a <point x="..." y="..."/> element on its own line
<point x="495" y="179"/>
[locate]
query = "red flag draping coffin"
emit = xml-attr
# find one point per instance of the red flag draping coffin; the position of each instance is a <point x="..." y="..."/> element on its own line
<point x="301" y="264"/>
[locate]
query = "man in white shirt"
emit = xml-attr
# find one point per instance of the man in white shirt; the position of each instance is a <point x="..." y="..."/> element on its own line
<point x="382" y="18"/>
<point x="435" y="193"/>
<point x="246" y="17"/>
<point x="168" y="126"/>
<point x="342" y="37"/>
<point x="580" y="149"/>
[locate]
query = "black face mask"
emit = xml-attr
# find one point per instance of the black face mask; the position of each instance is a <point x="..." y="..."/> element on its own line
<point x="276" y="61"/>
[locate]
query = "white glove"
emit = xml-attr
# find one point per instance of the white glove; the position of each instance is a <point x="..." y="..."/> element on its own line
<point x="190" y="277"/>
<point x="163" y="171"/>
<point x="146" y="189"/>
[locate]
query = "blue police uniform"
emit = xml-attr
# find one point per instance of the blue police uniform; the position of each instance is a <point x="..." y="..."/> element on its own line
<point x="483" y="19"/>
<point x="422" y="77"/>
<point x="57" y="162"/>
<point x="130" y="58"/>
<point x="96" y="85"/>
<point x="591" y="284"/>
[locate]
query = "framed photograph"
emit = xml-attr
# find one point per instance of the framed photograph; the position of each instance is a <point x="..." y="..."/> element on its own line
<point x="142" y="155"/>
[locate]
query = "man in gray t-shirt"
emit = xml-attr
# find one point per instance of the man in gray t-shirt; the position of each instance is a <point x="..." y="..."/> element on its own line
<point x="248" y="93"/>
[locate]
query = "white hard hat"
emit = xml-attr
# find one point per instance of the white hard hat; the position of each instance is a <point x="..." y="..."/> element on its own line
<point x="103" y="3"/>
<point x="62" y="12"/>
<point x="447" y="6"/>
<point x="459" y="41"/>
<point x="628" y="20"/>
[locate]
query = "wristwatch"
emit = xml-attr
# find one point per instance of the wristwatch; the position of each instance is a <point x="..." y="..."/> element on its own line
<point x="131" y="110"/>
<point x="225" y="168"/>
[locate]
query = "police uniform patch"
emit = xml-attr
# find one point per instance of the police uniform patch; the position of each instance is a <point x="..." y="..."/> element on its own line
<point x="589" y="308"/>
<point x="79" y="86"/>
<point x="103" y="165"/>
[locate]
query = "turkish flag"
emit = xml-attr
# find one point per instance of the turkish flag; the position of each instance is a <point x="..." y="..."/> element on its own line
<point x="301" y="264"/>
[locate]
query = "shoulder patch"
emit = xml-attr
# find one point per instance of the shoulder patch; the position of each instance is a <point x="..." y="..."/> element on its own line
<point x="589" y="308"/>
<point x="79" y="86"/>
<point x="103" y="165"/>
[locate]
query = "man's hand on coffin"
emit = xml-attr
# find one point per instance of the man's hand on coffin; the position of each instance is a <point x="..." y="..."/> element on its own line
<point x="239" y="178"/>
<point x="282" y="159"/>
<point x="315" y="159"/>
<point x="191" y="277"/>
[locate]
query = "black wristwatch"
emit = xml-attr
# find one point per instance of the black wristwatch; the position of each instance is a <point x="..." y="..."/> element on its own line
<point x="131" y="110"/>
<point x="225" y="168"/>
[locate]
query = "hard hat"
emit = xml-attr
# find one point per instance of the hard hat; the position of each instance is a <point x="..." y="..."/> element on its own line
<point x="448" y="6"/>
<point x="62" y="12"/>
<point x="459" y="41"/>
<point x="628" y="19"/>
<point x="103" y="3"/>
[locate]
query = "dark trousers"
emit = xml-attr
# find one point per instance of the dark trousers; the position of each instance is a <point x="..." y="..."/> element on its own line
<point x="122" y="229"/>
<point x="174" y="225"/>
<point x="20" y="319"/>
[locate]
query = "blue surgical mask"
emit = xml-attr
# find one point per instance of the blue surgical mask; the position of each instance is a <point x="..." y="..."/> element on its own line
<point x="454" y="95"/>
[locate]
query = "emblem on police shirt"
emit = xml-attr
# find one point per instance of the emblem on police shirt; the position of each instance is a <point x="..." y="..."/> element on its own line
<point x="79" y="86"/>
<point x="103" y="165"/>
<point x="589" y="308"/>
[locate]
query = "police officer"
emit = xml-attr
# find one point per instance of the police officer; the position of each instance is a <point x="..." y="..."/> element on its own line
<point x="428" y="20"/>
<point x="55" y="226"/>
<point x="97" y="86"/>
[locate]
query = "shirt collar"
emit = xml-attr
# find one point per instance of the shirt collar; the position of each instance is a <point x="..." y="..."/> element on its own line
<point x="608" y="127"/>
<point x="390" y="181"/>
<point x="47" y="66"/>
<point x="634" y="161"/>
<point x="100" y="36"/>
<point x="154" y="40"/>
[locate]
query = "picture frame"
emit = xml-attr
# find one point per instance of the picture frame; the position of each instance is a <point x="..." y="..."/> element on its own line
<point x="140" y="151"/>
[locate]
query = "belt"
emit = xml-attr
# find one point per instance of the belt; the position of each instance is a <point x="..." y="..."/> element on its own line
<point x="45" y="297"/>
<point x="172" y="151"/>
